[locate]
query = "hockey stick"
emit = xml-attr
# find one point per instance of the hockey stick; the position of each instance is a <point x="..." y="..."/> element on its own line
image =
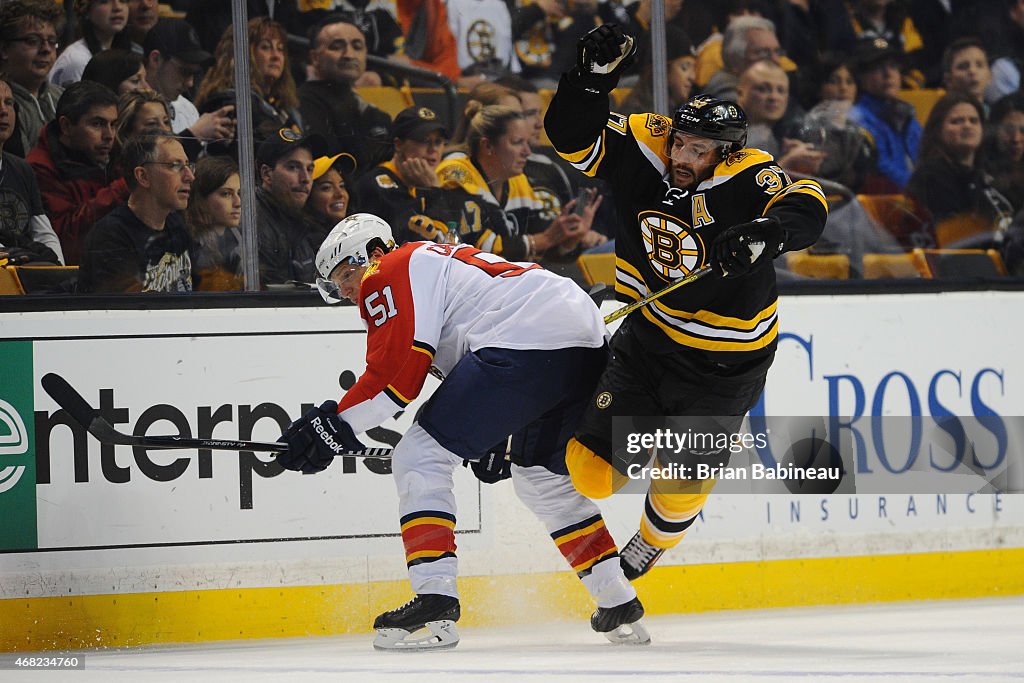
<point x="80" y="411"/>
<point x="672" y="286"/>
<point x="755" y="247"/>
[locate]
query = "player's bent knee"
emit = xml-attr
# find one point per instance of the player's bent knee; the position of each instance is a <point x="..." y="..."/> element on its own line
<point x="592" y="476"/>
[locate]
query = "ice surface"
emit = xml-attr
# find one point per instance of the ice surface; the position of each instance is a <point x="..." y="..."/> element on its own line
<point x="964" y="640"/>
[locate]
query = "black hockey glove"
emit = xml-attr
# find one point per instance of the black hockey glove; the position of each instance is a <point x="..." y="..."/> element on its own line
<point x="737" y="251"/>
<point x="601" y="57"/>
<point x="493" y="467"/>
<point x="315" y="438"/>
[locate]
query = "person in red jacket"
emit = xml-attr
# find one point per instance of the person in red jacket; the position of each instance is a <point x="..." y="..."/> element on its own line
<point x="70" y="163"/>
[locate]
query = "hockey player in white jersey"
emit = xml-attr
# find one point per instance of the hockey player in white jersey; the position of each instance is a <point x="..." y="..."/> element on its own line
<point x="520" y="351"/>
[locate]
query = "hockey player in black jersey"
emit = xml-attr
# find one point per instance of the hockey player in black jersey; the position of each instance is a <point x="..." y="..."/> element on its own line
<point x="688" y="194"/>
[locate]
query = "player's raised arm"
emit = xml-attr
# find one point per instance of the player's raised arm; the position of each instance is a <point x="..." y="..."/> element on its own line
<point x="579" y="110"/>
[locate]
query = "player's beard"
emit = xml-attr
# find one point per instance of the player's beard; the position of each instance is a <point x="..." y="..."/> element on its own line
<point x="686" y="181"/>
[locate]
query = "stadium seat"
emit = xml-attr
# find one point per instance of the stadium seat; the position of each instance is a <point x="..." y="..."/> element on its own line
<point x="390" y="100"/>
<point x="959" y="228"/>
<point x="819" y="266"/>
<point x="960" y="263"/>
<point x="9" y="282"/>
<point x="905" y="265"/>
<point x="47" y="279"/>
<point x="597" y="268"/>
<point x="923" y="99"/>
<point x="619" y="96"/>
<point x="894" y="213"/>
<point x="545" y="100"/>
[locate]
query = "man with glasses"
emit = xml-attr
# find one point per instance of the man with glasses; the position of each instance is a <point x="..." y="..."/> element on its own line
<point x="28" y="50"/>
<point x="70" y="163"/>
<point x="174" y="58"/>
<point x="747" y="39"/>
<point x="143" y="246"/>
<point x="690" y="195"/>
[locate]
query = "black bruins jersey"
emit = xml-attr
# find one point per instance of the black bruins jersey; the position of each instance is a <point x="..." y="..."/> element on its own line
<point x="666" y="232"/>
<point x="414" y="213"/>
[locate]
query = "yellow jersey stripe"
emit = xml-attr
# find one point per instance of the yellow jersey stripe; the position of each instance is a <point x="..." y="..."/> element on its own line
<point x="716" y="320"/>
<point x="713" y="344"/>
<point x="579" y="532"/>
<point x="436" y="521"/>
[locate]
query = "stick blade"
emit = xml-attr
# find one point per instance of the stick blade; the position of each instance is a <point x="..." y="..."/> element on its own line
<point x="61" y="391"/>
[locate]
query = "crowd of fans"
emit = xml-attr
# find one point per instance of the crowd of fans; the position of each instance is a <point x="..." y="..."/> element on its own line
<point x="119" y="132"/>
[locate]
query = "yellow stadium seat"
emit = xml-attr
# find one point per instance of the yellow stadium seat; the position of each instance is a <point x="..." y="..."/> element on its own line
<point x="390" y="100"/>
<point x="545" y="99"/>
<point x="619" y="96"/>
<point x="9" y="282"/>
<point x="923" y="99"/>
<point x="906" y="265"/>
<point x="954" y="263"/>
<point x="961" y="227"/>
<point x="819" y="266"/>
<point x="597" y="268"/>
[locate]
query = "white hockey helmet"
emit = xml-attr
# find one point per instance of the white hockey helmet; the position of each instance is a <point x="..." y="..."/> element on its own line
<point x="350" y="242"/>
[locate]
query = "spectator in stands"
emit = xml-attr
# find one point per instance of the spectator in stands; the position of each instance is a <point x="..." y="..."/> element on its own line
<point x="406" y="191"/>
<point x="101" y="24"/>
<point x="28" y="49"/>
<point x="811" y="30"/>
<point x="948" y="183"/>
<point x="709" y="52"/>
<point x="143" y="15"/>
<point x="1005" y="157"/>
<point x="763" y="93"/>
<point x="890" y="21"/>
<point x="507" y="216"/>
<point x="638" y="24"/>
<point x="330" y="197"/>
<point x="137" y="112"/>
<point x="965" y="68"/>
<point x="429" y="42"/>
<point x="836" y="82"/>
<point x="274" y="100"/>
<point x="681" y="65"/>
<point x="890" y="121"/>
<point x="747" y="39"/>
<point x="483" y="37"/>
<point x="70" y="164"/>
<point x="173" y="58"/>
<point x="545" y="34"/>
<point x="211" y="18"/>
<point x="26" y="235"/>
<point x="285" y="164"/>
<point x="213" y="214"/>
<point x="1007" y="39"/>
<point x="120" y="70"/>
<point x="143" y="245"/>
<point x="329" y="105"/>
<point x="485" y="94"/>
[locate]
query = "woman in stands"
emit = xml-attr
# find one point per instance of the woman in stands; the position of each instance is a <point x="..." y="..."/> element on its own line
<point x="953" y="194"/>
<point x="1005" y="148"/>
<point x="330" y="199"/>
<point x="213" y="214"/>
<point x="483" y="95"/>
<point x="120" y="70"/>
<point x="274" y="99"/>
<point x="140" y="111"/>
<point x="502" y="214"/>
<point x="101" y="25"/>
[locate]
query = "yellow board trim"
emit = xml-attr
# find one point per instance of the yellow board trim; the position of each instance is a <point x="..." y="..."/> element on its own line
<point x="91" y="621"/>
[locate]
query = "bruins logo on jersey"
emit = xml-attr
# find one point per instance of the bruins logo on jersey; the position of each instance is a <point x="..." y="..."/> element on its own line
<point x="386" y="182"/>
<point x="480" y="39"/>
<point x="673" y="249"/>
<point x="657" y="124"/>
<point x="551" y="205"/>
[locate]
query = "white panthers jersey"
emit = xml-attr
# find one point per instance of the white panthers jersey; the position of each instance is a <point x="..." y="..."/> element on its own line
<point x="427" y="305"/>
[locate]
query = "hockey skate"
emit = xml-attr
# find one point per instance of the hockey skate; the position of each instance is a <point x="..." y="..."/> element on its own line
<point x="621" y="624"/>
<point x="638" y="556"/>
<point x="436" y="614"/>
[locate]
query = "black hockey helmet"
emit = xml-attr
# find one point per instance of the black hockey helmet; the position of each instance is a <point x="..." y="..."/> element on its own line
<point x="709" y="117"/>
